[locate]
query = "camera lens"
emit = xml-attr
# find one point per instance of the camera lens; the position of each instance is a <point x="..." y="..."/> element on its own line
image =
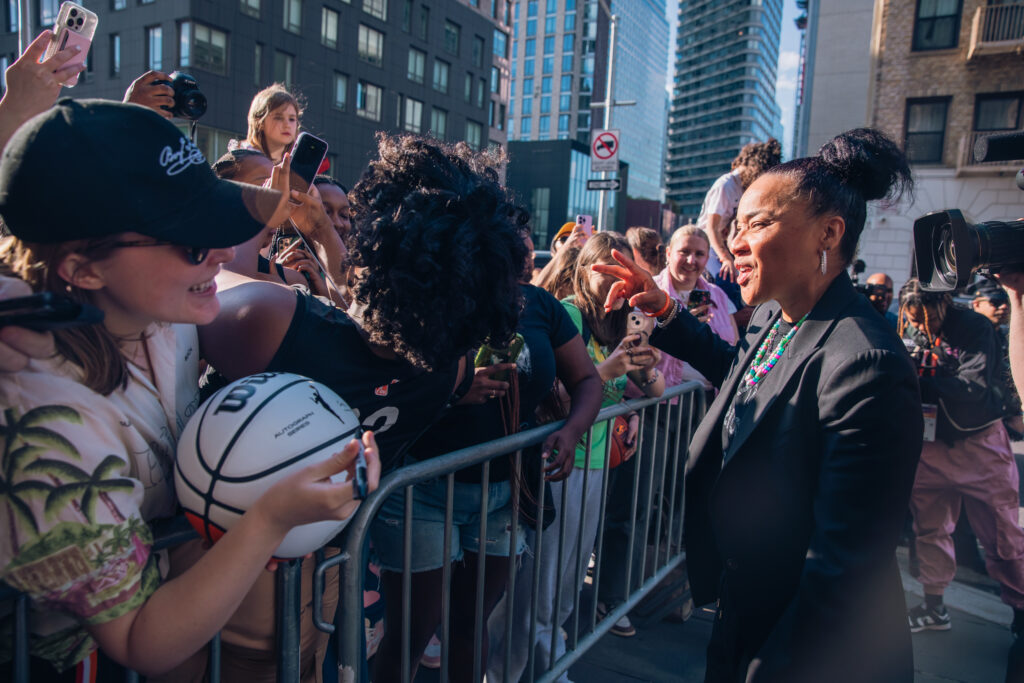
<point x="74" y="13"/>
<point x="80" y="21"/>
<point x="71" y="22"/>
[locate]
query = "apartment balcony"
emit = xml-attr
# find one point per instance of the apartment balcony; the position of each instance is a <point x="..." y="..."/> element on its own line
<point x="997" y="29"/>
<point x="967" y="166"/>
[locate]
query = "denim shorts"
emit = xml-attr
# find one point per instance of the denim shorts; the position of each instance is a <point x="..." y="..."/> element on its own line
<point x="428" y="512"/>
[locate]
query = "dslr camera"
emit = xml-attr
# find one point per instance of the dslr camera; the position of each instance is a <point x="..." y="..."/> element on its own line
<point x="189" y="100"/>
<point x="950" y="249"/>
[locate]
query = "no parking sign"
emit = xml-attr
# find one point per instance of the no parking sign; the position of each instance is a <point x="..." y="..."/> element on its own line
<point x="604" y="151"/>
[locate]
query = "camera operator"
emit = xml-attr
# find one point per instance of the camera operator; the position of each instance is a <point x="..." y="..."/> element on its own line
<point x="966" y="458"/>
<point x="151" y="90"/>
<point x="992" y="301"/>
<point x="879" y="293"/>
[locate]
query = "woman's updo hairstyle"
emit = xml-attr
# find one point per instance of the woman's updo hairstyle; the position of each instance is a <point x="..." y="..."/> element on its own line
<point x="850" y="170"/>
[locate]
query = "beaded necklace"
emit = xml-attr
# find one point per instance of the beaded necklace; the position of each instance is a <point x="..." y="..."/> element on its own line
<point x="760" y="367"/>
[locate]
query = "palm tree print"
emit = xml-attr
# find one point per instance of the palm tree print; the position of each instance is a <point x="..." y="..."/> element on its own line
<point x="24" y="440"/>
<point x="84" y="487"/>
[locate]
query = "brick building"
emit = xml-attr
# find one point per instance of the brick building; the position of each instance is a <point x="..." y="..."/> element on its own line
<point x="944" y="73"/>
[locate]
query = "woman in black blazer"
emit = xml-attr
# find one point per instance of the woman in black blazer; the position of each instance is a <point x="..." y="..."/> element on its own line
<point x="798" y="477"/>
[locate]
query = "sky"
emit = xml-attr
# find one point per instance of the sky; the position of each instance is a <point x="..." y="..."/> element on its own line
<point x="789" y="61"/>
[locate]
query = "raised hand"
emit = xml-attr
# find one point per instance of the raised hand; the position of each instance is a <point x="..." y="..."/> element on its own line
<point x="635" y="285"/>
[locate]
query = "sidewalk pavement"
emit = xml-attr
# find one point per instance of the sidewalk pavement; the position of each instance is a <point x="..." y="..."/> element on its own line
<point x="973" y="651"/>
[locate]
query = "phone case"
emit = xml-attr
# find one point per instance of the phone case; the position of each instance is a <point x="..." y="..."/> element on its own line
<point x="491" y="356"/>
<point x="75" y="25"/>
<point x="308" y="154"/>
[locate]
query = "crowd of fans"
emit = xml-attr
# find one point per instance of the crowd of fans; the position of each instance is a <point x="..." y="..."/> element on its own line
<point x="386" y="293"/>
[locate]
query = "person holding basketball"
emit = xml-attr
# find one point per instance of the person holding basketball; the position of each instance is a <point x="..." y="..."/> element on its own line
<point x="89" y="433"/>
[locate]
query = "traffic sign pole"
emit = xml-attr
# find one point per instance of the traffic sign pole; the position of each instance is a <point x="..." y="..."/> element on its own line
<point x="602" y="223"/>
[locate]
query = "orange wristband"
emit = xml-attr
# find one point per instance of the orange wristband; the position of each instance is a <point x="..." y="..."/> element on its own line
<point x="668" y="302"/>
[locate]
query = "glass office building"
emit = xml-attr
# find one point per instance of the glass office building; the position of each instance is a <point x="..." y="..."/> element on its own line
<point x="727" y="53"/>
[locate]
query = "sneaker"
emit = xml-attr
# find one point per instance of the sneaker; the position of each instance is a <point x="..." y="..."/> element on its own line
<point x="922" y="618"/>
<point x="432" y="654"/>
<point x="623" y="627"/>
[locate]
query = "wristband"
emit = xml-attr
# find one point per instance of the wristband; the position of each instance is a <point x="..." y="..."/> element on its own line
<point x="661" y="312"/>
<point x="662" y="322"/>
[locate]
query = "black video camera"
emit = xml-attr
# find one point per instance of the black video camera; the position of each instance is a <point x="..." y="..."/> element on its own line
<point x="189" y="101"/>
<point x="949" y="249"/>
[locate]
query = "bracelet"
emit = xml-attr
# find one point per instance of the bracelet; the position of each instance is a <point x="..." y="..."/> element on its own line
<point x="650" y="380"/>
<point x="668" y="302"/>
<point x="662" y="322"/>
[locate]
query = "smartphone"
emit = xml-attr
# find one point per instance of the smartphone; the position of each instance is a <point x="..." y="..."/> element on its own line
<point x="308" y="155"/>
<point x="47" y="311"/>
<point x="587" y="223"/>
<point x="75" y="25"/>
<point x="488" y="355"/>
<point x="360" y="483"/>
<point x="698" y="297"/>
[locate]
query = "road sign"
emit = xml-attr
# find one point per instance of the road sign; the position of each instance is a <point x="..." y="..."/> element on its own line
<point x="611" y="184"/>
<point x="604" y="151"/>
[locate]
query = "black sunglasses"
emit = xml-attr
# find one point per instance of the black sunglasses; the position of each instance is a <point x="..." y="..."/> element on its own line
<point x="194" y="255"/>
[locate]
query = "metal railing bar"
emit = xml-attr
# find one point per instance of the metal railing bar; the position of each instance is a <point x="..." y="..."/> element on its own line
<point x="481" y="572"/>
<point x="406" y="674"/>
<point x="446" y="575"/>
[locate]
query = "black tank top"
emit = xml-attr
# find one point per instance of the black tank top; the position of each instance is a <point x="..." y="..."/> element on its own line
<point x="395" y="399"/>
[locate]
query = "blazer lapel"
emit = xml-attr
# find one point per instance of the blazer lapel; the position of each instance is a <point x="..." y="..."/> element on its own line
<point x="807" y="339"/>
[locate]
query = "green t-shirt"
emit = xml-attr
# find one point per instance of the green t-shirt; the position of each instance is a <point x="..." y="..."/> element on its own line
<point x="612" y="393"/>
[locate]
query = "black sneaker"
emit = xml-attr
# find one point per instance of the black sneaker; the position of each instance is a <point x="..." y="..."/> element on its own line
<point x="923" y="618"/>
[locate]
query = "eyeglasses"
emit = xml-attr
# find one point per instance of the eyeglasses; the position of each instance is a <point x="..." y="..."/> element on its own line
<point x="194" y="255"/>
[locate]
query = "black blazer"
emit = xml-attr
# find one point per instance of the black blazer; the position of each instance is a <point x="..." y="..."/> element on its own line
<point x="799" y="520"/>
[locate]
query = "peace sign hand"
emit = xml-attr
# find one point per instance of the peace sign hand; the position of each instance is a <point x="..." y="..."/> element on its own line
<point x="635" y="285"/>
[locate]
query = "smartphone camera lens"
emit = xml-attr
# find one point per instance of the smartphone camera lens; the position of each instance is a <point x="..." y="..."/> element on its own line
<point x="71" y="23"/>
<point x="74" y="13"/>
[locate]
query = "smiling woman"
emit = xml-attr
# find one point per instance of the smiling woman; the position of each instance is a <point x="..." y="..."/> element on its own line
<point x="818" y="413"/>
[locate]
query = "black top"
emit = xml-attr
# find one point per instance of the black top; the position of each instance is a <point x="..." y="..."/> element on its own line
<point x="395" y="399"/>
<point x="967" y="382"/>
<point x="545" y="326"/>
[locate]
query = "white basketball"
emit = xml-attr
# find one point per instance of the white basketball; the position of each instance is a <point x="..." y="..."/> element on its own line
<point x="250" y="435"/>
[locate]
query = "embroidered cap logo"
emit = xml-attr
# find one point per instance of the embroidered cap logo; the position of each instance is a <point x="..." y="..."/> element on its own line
<point x="174" y="162"/>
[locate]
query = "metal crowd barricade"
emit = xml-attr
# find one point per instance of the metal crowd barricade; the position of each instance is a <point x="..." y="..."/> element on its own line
<point x="672" y="417"/>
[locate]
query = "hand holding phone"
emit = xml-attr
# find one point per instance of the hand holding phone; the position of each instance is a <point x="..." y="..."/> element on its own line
<point x="74" y="28"/>
<point x="585" y="224"/>
<point x="307" y="155"/>
<point x="698" y="298"/>
<point x="488" y="355"/>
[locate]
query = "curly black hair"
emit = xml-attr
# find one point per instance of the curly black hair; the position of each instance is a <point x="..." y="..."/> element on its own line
<point x="442" y="246"/>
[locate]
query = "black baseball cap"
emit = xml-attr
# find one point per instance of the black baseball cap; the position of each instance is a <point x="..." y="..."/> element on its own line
<point x="93" y="168"/>
<point x="991" y="290"/>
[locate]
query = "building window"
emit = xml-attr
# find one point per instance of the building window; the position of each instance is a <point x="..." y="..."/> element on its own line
<point x="451" y="38"/>
<point x="527" y="67"/>
<point x="440" y="76"/>
<point x="527" y="86"/>
<point x="540" y="208"/>
<point x="251" y="7"/>
<point x="525" y="127"/>
<point x="371" y="45"/>
<point x="413" y="115"/>
<point x="531" y="8"/>
<point x="566" y="62"/>
<point x="545" y="84"/>
<point x="478" y="52"/>
<point x="552" y="6"/>
<point x="548" y="66"/>
<point x="926" y="130"/>
<point x="293" y="16"/>
<point x="544" y="125"/>
<point x="530" y="47"/>
<point x="998" y="112"/>
<point x="474" y="134"/>
<point x="549" y="25"/>
<point x="570" y="22"/>
<point x="155" y="48"/>
<point x="937" y="25"/>
<point x="329" y="27"/>
<point x="567" y="42"/>
<point x="527" y="106"/>
<point x="257" y="64"/>
<point x="439" y="123"/>
<point x="545" y="104"/>
<point x="368" y="100"/>
<point x="417" y="65"/>
<point x="500" y="44"/>
<point x="531" y="27"/>
<point x="340" y="91"/>
<point x="481" y="88"/>
<point x="423" y="24"/>
<point x="565" y="103"/>
<point x="48" y="10"/>
<point x="467" y="88"/>
<point x="376" y="8"/>
<point x="203" y="47"/>
<point x="283" y="63"/>
<point x="115" y="5"/>
<point x="495" y="79"/>
<point x="115" y="55"/>
<point x="563" y="123"/>
<point x="549" y="45"/>
<point x="406" y="15"/>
